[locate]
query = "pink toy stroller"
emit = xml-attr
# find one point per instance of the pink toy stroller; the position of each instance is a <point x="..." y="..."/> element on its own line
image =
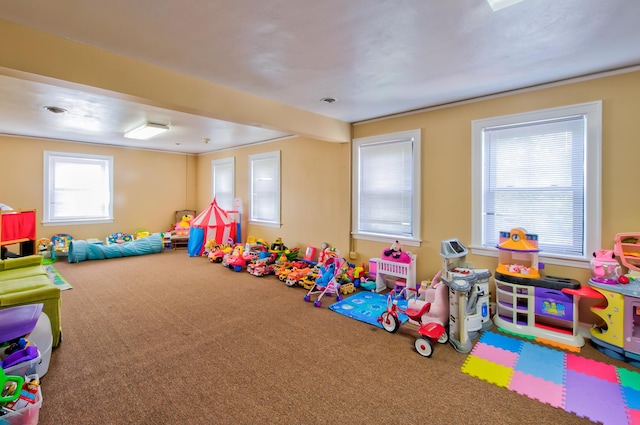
<point x="326" y="283"/>
<point x="429" y="311"/>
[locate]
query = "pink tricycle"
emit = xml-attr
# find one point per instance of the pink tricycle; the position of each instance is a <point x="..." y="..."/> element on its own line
<point x="428" y="310"/>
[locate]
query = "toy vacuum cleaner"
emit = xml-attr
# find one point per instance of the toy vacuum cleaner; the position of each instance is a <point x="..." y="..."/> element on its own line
<point x="468" y="295"/>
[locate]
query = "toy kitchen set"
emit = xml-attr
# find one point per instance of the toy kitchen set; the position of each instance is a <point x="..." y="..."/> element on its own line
<point x="528" y="303"/>
<point x="618" y="287"/>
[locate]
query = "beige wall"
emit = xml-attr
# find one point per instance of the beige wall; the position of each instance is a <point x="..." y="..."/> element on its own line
<point x="316" y="176"/>
<point x="446" y="172"/>
<point x="446" y="159"/>
<point x="315" y="204"/>
<point x="148" y="186"/>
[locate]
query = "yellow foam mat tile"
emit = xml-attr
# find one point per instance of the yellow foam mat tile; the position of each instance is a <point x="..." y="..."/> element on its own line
<point x="487" y="371"/>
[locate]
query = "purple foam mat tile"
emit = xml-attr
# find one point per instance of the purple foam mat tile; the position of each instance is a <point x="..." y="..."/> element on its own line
<point x="501" y="341"/>
<point x="596" y="399"/>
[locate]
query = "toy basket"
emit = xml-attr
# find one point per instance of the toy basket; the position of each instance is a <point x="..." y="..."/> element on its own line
<point x="27" y="415"/>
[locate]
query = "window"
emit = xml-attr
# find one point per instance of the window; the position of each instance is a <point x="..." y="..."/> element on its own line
<point x="77" y="188"/>
<point x="539" y="171"/>
<point x="223" y="182"/>
<point x="264" y="188"/>
<point x="386" y="187"/>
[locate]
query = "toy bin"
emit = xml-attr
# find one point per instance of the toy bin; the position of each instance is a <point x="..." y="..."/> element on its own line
<point x="42" y="338"/>
<point x="28" y="367"/>
<point x="27" y="414"/>
<point x="553" y="303"/>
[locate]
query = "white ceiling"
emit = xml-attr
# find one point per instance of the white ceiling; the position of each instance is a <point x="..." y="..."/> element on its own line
<point x="376" y="57"/>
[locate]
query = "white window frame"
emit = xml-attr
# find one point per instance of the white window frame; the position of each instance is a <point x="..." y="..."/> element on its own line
<point x="218" y="167"/>
<point x="271" y="159"/>
<point x="413" y="239"/>
<point x="51" y="159"/>
<point x="592" y="185"/>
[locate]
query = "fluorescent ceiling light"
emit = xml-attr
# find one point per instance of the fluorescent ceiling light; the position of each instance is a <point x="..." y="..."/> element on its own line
<point x="146" y="131"/>
<point x="501" y="4"/>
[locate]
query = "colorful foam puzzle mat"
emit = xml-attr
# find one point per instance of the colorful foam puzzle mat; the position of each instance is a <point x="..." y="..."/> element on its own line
<point x="366" y="307"/>
<point x="597" y="391"/>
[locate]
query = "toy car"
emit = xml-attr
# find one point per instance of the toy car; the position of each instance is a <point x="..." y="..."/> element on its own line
<point x="260" y="268"/>
<point x="347" y="288"/>
<point x="308" y="281"/>
<point x="295" y="275"/>
<point x="217" y="255"/>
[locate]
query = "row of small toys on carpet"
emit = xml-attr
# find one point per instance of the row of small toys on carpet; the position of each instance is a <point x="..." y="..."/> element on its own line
<point x="260" y="259"/>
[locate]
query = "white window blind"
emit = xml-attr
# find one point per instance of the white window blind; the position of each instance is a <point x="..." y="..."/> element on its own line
<point x="540" y="171"/>
<point x="78" y="188"/>
<point x="386" y="184"/>
<point x="264" y="181"/>
<point x="534" y="177"/>
<point x="223" y="182"/>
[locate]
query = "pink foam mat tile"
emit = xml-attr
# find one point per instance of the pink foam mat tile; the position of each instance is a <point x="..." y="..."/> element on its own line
<point x="496" y="355"/>
<point x="634" y="417"/>
<point x="591" y="368"/>
<point x="537" y="388"/>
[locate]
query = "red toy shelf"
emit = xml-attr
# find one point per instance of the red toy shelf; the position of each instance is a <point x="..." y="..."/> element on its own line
<point x="19" y="226"/>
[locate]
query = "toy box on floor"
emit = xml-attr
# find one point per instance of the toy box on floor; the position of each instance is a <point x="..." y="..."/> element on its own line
<point x="24" y="406"/>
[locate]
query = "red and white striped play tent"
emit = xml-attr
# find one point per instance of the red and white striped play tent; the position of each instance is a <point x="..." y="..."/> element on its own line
<point x="212" y="223"/>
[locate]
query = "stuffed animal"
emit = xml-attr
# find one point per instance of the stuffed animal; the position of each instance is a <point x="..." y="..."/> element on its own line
<point x="394" y="251"/>
<point x="605" y="267"/>
<point x="182" y="227"/>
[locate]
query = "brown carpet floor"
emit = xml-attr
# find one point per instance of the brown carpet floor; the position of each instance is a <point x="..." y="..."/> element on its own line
<point x="169" y="339"/>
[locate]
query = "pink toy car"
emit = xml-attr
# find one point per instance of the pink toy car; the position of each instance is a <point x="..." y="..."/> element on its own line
<point x="429" y="314"/>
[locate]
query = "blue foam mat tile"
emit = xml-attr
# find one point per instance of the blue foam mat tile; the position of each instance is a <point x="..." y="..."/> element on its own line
<point x="501" y="341"/>
<point x="541" y="362"/>
<point x="632" y="397"/>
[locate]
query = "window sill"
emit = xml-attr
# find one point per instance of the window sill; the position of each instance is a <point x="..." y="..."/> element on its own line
<point x="385" y="238"/>
<point x="265" y="223"/>
<point x="74" y="222"/>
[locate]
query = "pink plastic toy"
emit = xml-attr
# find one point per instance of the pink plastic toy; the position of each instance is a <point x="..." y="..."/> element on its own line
<point x="430" y="312"/>
<point x="605" y="267"/>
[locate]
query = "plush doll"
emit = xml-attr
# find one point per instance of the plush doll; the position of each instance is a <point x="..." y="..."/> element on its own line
<point x="182" y="227"/>
<point x="395" y="253"/>
<point x="605" y="267"/>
